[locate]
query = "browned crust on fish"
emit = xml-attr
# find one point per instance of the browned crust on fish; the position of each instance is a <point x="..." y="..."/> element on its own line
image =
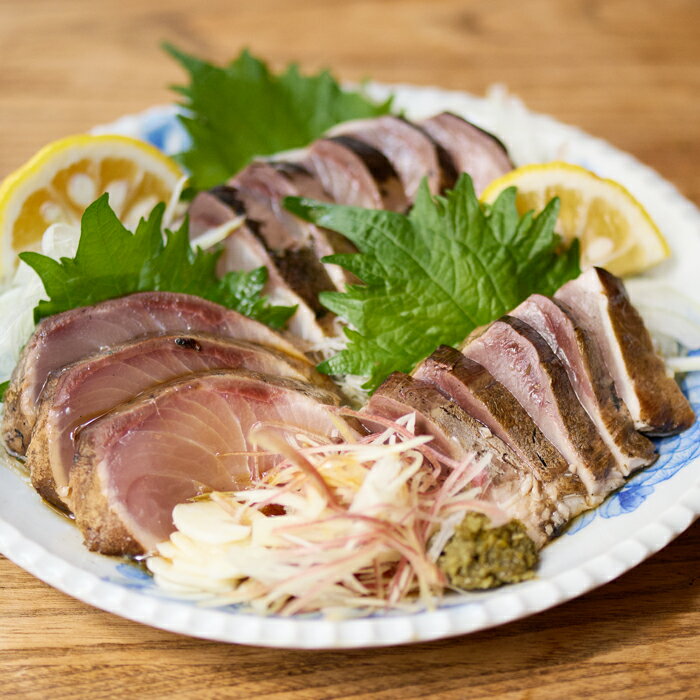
<point x="663" y="408"/>
<point x="582" y="433"/>
<point x="413" y="153"/>
<point x="613" y="411"/>
<point x="16" y="428"/>
<point x="103" y="530"/>
<point x="357" y="159"/>
<point x="38" y="461"/>
<point x="258" y="191"/>
<point x="456" y="433"/>
<point x="543" y="459"/>
<point x="484" y="158"/>
<point x="539" y="452"/>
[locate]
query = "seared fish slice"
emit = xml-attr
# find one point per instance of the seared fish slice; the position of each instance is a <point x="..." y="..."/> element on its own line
<point x="476" y="391"/>
<point x="261" y="187"/>
<point x="354" y="173"/>
<point x="292" y="278"/>
<point x="411" y="150"/>
<point x="179" y="440"/>
<point x="601" y="305"/>
<point x="518" y="357"/>
<point x="506" y="481"/>
<point x="472" y="149"/>
<point x="66" y="337"/>
<point x="589" y="378"/>
<point x="85" y="390"/>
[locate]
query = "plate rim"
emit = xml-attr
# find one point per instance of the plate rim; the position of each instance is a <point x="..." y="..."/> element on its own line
<point x="377" y="631"/>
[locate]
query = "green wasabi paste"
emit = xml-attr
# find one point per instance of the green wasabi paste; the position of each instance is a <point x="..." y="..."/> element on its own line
<point x="479" y="556"/>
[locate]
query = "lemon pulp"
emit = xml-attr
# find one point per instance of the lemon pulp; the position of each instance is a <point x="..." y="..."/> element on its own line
<point x="613" y="228"/>
<point x="65" y="177"/>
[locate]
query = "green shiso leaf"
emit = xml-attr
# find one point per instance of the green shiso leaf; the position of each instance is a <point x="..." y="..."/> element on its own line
<point x="111" y="262"/>
<point x="432" y="276"/>
<point x="243" y="110"/>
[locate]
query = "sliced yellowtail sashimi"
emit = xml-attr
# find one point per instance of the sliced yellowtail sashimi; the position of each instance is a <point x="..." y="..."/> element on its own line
<point x="260" y="188"/>
<point x="92" y="386"/>
<point x="582" y="359"/>
<point x="600" y="304"/>
<point x="475" y="390"/>
<point x="291" y="278"/>
<point x="506" y="480"/>
<point x="413" y="153"/>
<point x="518" y="357"/>
<point x="471" y="149"/>
<point x="180" y="440"/>
<point x="354" y="173"/>
<point x="68" y="336"/>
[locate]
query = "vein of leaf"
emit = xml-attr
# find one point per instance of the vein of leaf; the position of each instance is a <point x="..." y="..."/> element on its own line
<point x="429" y="275"/>
<point x="489" y="277"/>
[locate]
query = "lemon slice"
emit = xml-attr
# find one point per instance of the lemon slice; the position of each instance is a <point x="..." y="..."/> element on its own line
<point x="63" y="178"/>
<point x="615" y="231"/>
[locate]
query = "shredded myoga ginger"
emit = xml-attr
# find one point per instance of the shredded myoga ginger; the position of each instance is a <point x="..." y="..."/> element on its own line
<point x="333" y="527"/>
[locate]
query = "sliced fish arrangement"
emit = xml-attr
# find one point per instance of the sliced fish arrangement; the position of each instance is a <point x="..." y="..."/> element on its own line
<point x="554" y="381"/>
<point x="375" y="164"/>
<point x="192" y="435"/>
<point x="128" y="407"/>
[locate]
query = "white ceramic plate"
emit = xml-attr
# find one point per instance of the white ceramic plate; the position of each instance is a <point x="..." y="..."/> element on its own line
<point x="650" y="510"/>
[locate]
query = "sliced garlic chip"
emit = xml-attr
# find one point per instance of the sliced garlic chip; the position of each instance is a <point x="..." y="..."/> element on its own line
<point x="206" y="521"/>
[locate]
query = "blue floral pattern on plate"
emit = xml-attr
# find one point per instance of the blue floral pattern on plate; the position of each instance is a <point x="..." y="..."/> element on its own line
<point x="131" y="575"/>
<point x="164" y="131"/>
<point x="674" y="453"/>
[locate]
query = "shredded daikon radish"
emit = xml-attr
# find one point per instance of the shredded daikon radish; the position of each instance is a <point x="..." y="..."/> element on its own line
<point x="175" y="208"/>
<point x="673" y="319"/>
<point x="18" y="299"/>
<point x="680" y="365"/>
<point x="213" y="236"/>
<point x="333" y="527"/>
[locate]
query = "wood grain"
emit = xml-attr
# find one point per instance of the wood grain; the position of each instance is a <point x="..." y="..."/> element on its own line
<point x="625" y="70"/>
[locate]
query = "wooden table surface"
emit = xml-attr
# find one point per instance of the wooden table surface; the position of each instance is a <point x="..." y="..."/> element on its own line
<point x="625" y="70"/>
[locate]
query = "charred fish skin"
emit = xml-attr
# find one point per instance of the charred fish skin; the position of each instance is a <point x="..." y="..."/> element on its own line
<point x="601" y="305"/>
<point x="321" y="242"/>
<point x="92" y="386"/>
<point x="518" y="357"/>
<point x="476" y="391"/>
<point x="457" y="435"/>
<point x="183" y="438"/>
<point x="472" y="150"/>
<point x="590" y="379"/>
<point x="65" y="337"/>
<point x="294" y="262"/>
<point x="16" y="426"/>
<point x="413" y="153"/>
<point x="324" y="242"/>
<point x="356" y="174"/>
<point x="292" y="277"/>
<point x="262" y="185"/>
<point x="261" y="188"/>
